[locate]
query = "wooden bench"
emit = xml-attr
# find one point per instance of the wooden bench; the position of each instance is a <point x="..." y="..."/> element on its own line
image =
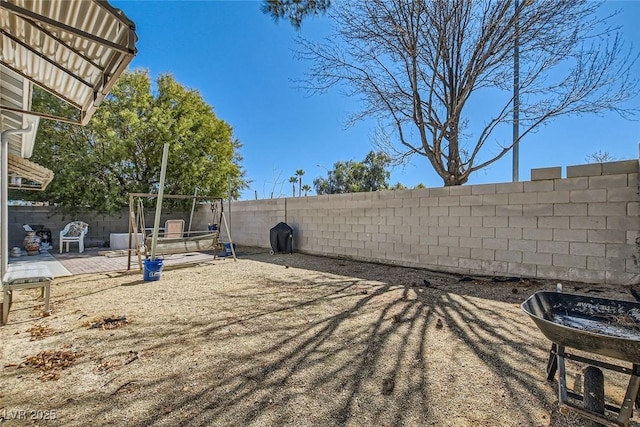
<point x="26" y="276"/>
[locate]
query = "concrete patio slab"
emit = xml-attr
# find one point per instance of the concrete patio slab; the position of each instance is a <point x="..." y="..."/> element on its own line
<point x="92" y="260"/>
<point x="43" y="258"/>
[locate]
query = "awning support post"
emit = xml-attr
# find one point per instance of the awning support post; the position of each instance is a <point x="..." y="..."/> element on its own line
<point x="4" y="196"/>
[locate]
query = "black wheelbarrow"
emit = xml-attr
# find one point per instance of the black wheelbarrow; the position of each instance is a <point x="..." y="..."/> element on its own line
<point x="600" y="326"/>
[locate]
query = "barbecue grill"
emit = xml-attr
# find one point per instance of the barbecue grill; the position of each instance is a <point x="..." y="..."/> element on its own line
<point x="598" y="326"/>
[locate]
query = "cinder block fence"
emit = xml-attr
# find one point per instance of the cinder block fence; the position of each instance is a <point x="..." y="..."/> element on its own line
<point x="584" y="227"/>
<point x="101" y="225"/>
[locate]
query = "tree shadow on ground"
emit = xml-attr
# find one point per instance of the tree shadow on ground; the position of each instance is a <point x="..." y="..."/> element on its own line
<point x="346" y="344"/>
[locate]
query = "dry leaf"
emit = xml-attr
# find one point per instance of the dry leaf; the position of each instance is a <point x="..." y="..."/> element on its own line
<point x="39" y="331"/>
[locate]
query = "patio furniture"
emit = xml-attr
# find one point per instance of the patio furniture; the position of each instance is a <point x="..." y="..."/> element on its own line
<point x="174" y="228"/>
<point x="30" y="276"/>
<point x="72" y="233"/>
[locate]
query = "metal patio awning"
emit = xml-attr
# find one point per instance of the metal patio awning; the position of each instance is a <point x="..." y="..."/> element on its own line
<point x="74" y="49"/>
<point x="15" y="93"/>
<point x="26" y="175"/>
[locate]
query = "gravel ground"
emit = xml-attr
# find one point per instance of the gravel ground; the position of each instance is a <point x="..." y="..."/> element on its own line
<point x="291" y="340"/>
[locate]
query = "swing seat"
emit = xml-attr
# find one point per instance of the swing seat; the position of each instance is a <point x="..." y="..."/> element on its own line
<point x="173" y="239"/>
<point x="176" y="245"/>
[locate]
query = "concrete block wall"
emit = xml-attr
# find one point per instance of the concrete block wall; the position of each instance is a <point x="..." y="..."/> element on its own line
<point x="100" y="225"/>
<point x="584" y="227"/>
<point x="251" y="221"/>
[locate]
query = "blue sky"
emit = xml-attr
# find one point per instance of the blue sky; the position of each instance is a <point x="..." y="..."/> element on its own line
<point x="242" y="63"/>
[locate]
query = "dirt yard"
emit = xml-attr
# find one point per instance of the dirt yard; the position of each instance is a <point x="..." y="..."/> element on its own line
<point x="284" y="340"/>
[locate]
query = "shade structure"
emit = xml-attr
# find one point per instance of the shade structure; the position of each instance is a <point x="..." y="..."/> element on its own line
<point x="15" y="93"/>
<point x="27" y="175"/>
<point x="74" y="49"/>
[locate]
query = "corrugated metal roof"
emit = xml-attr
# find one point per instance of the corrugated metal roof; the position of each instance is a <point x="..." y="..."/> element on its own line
<point x="15" y="92"/>
<point x="26" y="175"/>
<point x="74" y="49"/>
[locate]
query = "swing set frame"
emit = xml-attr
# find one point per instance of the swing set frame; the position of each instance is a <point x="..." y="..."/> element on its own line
<point x="195" y="241"/>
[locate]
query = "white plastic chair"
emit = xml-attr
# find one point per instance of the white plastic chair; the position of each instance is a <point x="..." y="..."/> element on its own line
<point x="72" y="233"/>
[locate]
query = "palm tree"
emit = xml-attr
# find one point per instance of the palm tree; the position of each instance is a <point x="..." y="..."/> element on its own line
<point x="293" y="180"/>
<point x="306" y="188"/>
<point x="299" y="174"/>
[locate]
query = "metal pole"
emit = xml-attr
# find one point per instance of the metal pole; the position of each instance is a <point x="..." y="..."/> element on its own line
<point x="516" y="96"/>
<point x="193" y="208"/>
<point x="4" y="205"/>
<point x="229" y="195"/>
<point x="156" y="223"/>
<point x="4" y="196"/>
<point x="233" y="250"/>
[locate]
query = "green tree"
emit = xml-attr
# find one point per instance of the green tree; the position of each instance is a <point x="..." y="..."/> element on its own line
<point x="418" y="65"/>
<point x="306" y="188"/>
<point x="293" y="180"/>
<point x="294" y="10"/>
<point x="120" y="150"/>
<point x="299" y="174"/>
<point x="398" y="186"/>
<point x="354" y="177"/>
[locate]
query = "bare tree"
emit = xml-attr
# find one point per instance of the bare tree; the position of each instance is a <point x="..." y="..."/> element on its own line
<point x="599" y="157"/>
<point x="277" y="180"/>
<point x="418" y="65"/>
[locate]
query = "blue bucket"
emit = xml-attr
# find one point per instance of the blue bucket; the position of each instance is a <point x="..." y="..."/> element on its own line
<point x="227" y="249"/>
<point x="152" y="270"/>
